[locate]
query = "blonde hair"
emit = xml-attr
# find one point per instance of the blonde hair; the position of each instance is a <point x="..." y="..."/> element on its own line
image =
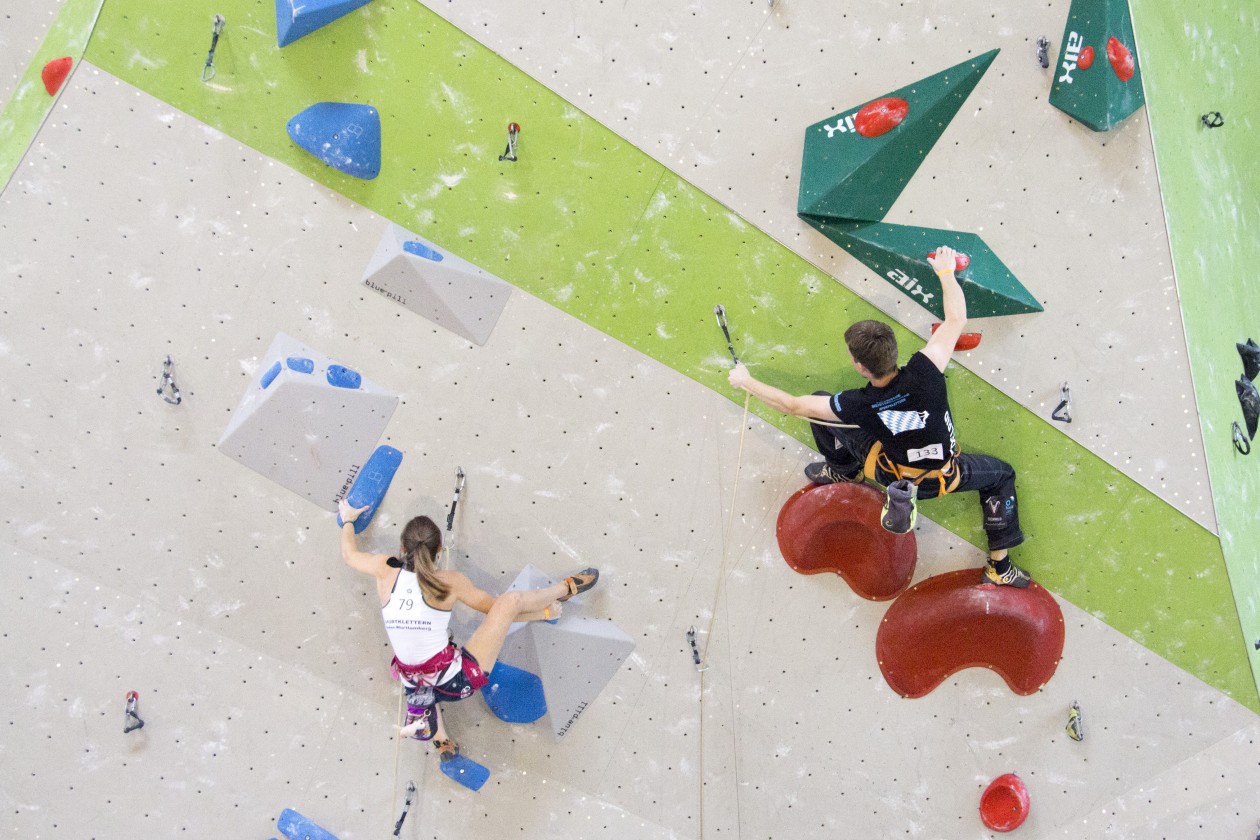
<point x="421" y="542"/>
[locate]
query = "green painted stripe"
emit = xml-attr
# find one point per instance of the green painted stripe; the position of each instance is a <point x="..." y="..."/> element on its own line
<point x="1204" y="57"/>
<point x="592" y="225"/>
<point x="26" y="110"/>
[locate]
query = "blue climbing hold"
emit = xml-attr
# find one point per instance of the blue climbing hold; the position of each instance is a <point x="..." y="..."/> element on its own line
<point x="419" y="249"/>
<point x="297" y="827"/>
<point x="296" y="18"/>
<point x="300" y="363"/>
<point x="514" y="695"/>
<point x="370" y="485"/>
<point x="344" y="135"/>
<point x="467" y="772"/>
<point x="340" y="376"/>
<point x="270" y="375"/>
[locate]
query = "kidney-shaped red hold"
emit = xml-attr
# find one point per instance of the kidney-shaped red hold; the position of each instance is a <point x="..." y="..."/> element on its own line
<point x="1121" y="59"/>
<point x="881" y="116"/>
<point x="1086" y="59"/>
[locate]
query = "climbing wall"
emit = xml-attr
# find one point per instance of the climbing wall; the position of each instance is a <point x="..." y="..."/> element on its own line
<point x="140" y="228"/>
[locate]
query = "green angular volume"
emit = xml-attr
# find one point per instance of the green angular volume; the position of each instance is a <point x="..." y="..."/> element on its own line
<point x="898" y="253"/>
<point x="850" y="175"/>
<point x="1097" y="80"/>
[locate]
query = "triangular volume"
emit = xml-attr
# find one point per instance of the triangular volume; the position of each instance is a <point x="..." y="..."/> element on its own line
<point x="576" y="659"/>
<point x="1097" y="80"/>
<point x="437" y="284"/>
<point x="297" y="18"/>
<point x="898" y="253"/>
<point x="857" y="162"/>
<point x="343" y="135"/>
<point x="307" y="423"/>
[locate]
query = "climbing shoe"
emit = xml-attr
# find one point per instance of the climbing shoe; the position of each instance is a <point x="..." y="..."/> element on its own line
<point x="1249" y="399"/>
<point x="900" y="510"/>
<point x="1013" y="576"/>
<point x="447" y="749"/>
<point x="820" y="472"/>
<point x="580" y="582"/>
<point x="1250" y="353"/>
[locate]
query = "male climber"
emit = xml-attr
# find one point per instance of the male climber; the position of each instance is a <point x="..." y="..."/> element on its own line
<point x="904" y="430"/>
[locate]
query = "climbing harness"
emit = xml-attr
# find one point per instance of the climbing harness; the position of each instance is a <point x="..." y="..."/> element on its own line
<point x="1063" y="411"/>
<point x="1240" y="440"/>
<point x="948" y="474"/>
<point x="720" y="312"/>
<point x="510" y="152"/>
<point x="1043" y="52"/>
<point x="1076" y="723"/>
<point x="131" y="720"/>
<point x="411" y="794"/>
<point x="1213" y="119"/>
<point x="168" y="390"/>
<point x="207" y="72"/>
<point x="695" y="651"/>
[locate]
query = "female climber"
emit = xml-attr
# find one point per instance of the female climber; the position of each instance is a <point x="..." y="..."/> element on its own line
<point x="416" y="601"/>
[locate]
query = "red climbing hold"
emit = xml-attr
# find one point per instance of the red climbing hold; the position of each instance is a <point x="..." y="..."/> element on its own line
<point x="949" y="622"/>
<point x="1121" y="59"/>
<point x="835" y="528"/>
<point x="1004" y="803"/>
<point x="961" y="260"/>
<point x="54" y="74"/>
<point x="1086" y="59"/>
<point x="881" y="116"/>
<point x="966" y="341"/>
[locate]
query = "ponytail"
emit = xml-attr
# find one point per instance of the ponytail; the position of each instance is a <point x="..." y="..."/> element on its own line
<point x="421" y="541"/>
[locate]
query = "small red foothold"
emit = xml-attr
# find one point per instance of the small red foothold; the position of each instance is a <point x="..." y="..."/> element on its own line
<point x="1086" y="59"/>
<point x="881" y="116"/>
<point x="514" y="128"/>
<point x="1121" y="59"/>
<point x="961" y="260"/>
<point x="1004" y="803"/>
<point x="966" y="341"/>
<point x="54" y="74"/>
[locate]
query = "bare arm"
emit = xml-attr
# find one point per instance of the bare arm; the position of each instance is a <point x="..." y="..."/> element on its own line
<point x="361" y="561"/>
<point x="466" y="593"/>
<point x="805" y="406"/>
<point x="940" y="346"/>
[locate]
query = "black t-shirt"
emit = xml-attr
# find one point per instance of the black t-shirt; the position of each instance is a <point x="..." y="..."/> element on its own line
<point x="910" y="415"/>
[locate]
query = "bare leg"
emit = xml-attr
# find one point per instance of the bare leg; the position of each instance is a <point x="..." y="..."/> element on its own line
<point x="487" y="641"/>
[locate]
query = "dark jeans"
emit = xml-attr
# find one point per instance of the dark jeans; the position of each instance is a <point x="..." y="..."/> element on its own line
<point x="993" y="478"/>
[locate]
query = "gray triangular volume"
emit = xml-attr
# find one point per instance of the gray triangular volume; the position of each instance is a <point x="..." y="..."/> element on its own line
<point x="306" y="422"/>
<point x="576" y="659"/>
<point x="436" y="284"/>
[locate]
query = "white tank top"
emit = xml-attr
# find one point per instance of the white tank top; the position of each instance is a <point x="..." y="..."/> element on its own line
<point x="416" y="631"/>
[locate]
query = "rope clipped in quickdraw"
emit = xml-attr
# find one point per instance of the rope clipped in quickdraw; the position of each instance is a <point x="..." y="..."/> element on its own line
<point x="509" y="153"/>
<point x="168" y="390"/>
<point x="1213" y="119"/>
<point x="450" y="516"/>
<point x="207" y="72"/>
<point x="1043" y="52"/>
<point x="720" y="312"/>
<point x="1063" y="411"/>
<point x="132" y="721"/>
<point x="695" y="650"/>
<point x="411" y="794"/>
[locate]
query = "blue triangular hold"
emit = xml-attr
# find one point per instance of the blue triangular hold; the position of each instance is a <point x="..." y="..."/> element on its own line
<point x="514" y="695"/>
<point x="297" y="827"/>
<point x="343" y="135"/>
<point x="296" y="18"/>
<point x="467" y="772"/>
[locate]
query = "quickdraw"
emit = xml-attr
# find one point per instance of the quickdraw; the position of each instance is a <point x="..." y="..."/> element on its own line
<point x="1213" y="119"/>
<point x="207" y="72"/>
<point x="695" y="650"/>
<point x="168" y="390"/>
<point x="131" y="720"/>
<point x="1043" y="52"/>
<point x="1063" y="411"/>
<point x="509" y="153"/>
<point x="1240" y="440"/>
